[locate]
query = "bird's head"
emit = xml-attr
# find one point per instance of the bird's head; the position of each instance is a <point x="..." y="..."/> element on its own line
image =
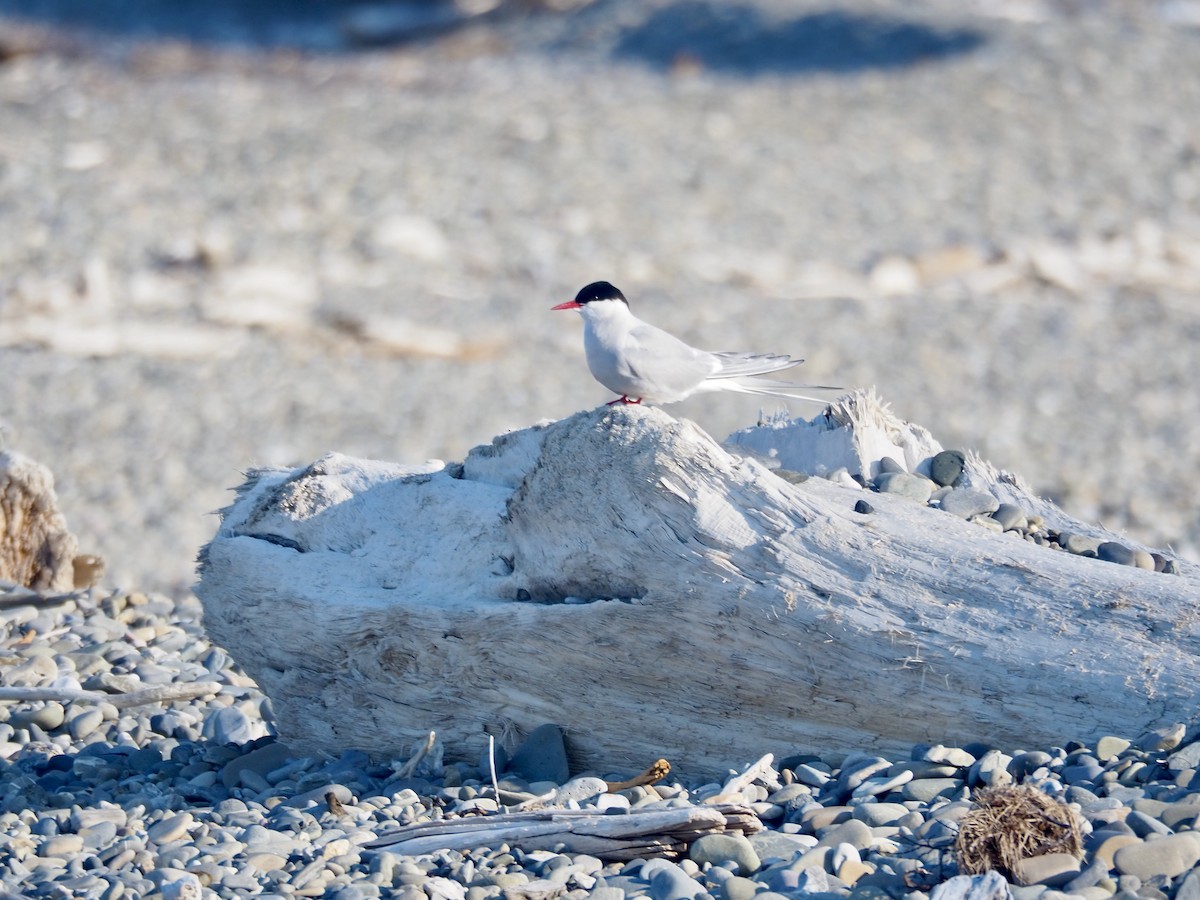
<point x="597" y="295"/>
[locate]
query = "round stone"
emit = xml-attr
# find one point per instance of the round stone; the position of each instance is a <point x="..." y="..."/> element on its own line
<point x="852" y="832"/>
<point x="84" y="722"/>
<point x="966" y="503"/>
<point x="1115" y="552"/>
<point x="1170" y="856"/>
<point x="912" y="486"/>
<point x="63" y="845"/>
<point x="737" y="888"/>
<point x="1110" y="747"/>
<point x="1079" y="544"/>
<point x="1050" y="869"/>
<point x="864" y="508"/>
<point x="670" y="882"/>
<point x="719" y="849"/>
<point x="947" y="466"/>
<point x="876" y="815"/>
<point x="172" y="828"/>
<point x="1010" y="516"/>
<point x="47" y="716"/>
<point x="924" y="790"/>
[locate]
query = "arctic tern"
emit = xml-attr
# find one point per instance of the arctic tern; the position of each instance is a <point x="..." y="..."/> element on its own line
<point x="644" y="363"/>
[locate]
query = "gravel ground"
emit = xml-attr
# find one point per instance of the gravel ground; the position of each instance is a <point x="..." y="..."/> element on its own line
<point x="192" y="797"/>
<point x="259" y="245"/>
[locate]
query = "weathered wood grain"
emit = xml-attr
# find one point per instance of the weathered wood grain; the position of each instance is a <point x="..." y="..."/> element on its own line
<point x="728" y="612"/>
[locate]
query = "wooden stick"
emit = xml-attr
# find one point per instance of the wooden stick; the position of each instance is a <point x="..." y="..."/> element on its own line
<point x="637" y="833"/>
<point x="659" y="769"/>
<point x="158" y="694"/>
<point x="411" y="766"/>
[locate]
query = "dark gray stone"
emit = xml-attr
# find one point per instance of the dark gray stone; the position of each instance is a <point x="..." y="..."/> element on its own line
<point x="1112" y="551"/>
<point x="542" y="756"/>
<point x="947" y="466"/>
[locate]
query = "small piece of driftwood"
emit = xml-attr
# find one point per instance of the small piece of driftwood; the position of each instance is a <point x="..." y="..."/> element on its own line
<point x="164" y="693"/>
<point x="36" y="549"/>
<point x="632" y="835"/>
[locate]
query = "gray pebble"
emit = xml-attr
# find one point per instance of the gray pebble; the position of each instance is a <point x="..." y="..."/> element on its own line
<point x="1079" y="544"/>
<point x="47" y="716"/>
<point x="876" y="815"/>
<point x="925" y="790"/>
<point x="228" y="725"/>
<point x="669" y="882"/>
<point x="64" y="845"/>
<point x="1010" y="516"/>
<point x="720" y="848"/>
<point x="852" y="832"/>
<point x="1144" y="825"/>
<point x="260" y="761"/>
<point x="172" y="828"/>
<point x="946" y="467"/>
<point x="791" y="792"/>
<point x="913" y="487"/>
<point x="1110" y="747"/>
<point x="84" y="721"/>
<point x="1112" y="551"/>
<point x="542" y="756"/>
<point x="863" y="508"/>
<point x="736" y="888"/>
<point x="965" y="503"/>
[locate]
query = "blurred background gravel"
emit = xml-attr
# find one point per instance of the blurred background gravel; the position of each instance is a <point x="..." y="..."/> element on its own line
<point x="236" y="234"/>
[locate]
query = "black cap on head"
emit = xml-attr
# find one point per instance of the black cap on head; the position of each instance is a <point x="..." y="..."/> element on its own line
<point x="599" y="290"/>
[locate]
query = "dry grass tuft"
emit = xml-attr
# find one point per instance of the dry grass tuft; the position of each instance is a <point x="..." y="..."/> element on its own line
<point x="1013" y="823"/>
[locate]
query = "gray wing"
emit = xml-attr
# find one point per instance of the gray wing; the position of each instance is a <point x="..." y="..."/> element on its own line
<point x="653" y="356"/>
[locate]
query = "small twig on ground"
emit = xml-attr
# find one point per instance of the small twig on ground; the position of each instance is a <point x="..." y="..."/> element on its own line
<point x="659" y="769"/>
<point x="492" y="769"/>
<point x="409" y="767"/>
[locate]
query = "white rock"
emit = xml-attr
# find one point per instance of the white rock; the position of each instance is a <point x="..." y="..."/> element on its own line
<point x="413" y="235"/>
<point x="894" y="276"/>
<point x="1058" y="265"/>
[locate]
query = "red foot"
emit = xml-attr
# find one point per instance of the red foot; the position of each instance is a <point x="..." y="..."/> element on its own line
<point x="625" y="400"/>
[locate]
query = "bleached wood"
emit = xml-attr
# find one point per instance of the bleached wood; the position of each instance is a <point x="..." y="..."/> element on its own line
<point x="36" y="549"/>
<point x="163" y="693"/>
<point x="636" y="833"/>
<point x="740" y="613"/>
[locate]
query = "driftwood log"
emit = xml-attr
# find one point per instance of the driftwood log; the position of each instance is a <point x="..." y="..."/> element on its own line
<point x="36" y="549"/>
<point x="623" y="575"/>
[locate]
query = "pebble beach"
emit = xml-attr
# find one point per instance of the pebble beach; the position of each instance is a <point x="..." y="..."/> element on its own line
<point x="239" y="240"/>
<point x="198" y="796"/>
